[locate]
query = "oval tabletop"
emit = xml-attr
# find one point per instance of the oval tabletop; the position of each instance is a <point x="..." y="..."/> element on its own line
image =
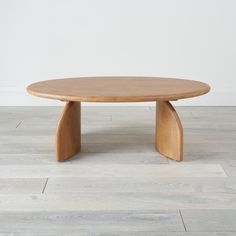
<point x="118" y="89"/>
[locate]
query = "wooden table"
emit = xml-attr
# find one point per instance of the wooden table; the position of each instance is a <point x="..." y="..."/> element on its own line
<point x="169" y="131"/>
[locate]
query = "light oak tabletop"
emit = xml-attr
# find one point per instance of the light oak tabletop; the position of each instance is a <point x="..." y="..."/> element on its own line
<point x="118" y="89"/>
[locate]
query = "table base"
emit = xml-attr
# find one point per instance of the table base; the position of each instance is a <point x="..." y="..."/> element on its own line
<point x="169" y="131"/>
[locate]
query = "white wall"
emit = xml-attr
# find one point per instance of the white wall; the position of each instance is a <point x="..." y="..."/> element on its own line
<point x="47" y="39"/>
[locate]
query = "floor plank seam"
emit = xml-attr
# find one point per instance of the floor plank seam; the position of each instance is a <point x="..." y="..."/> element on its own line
<point x="18" y="124"/>
<point x="45" y="186"/>
<point x="182" y="220"/>
<point x="223" y="168"/>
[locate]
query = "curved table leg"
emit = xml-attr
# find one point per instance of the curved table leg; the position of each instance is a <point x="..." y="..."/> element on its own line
<point x="169" y="131"/>
<point x="68" y="134"/>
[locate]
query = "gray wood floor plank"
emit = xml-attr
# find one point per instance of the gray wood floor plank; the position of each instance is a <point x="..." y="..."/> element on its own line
<point x="120" y="158"/>
<point x="116" y="158"/>
<point x="14" y="137"/>
<point x="192" y="158"/>
<point x="89" y="129"/>
<point x="49" y="116"/>
<point x="149" y="147"/>
<point x="17" y="136"/>
<point x="210" y="110"/>
<point x="119" y="170"/>
<point x="135" y="201"/>
<point x="210" y="124"/>
<point x="27" y="159"/>
<point x="210" y="220"/>
<point x="71" y="232"/>
<point x="29" y="148"/>
<point x="162" y="185"/>
<point x="91" y="222"/>
<point x="83" y="158"/>
<point x="22" y="186"/>
<point x="45" y="144"/>
<point x="210" y="147"/>
<point x="206" y="157"/>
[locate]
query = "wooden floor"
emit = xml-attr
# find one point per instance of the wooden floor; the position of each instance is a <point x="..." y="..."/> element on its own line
<point x="118" y="185"/>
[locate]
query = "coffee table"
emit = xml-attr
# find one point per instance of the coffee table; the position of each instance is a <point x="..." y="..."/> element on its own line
<point x="169" y="131"/>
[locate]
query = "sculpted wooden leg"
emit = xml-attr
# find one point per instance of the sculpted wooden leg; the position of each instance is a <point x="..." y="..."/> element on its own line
<point x="68" y="134"/>
<point x="169" y="131"/>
